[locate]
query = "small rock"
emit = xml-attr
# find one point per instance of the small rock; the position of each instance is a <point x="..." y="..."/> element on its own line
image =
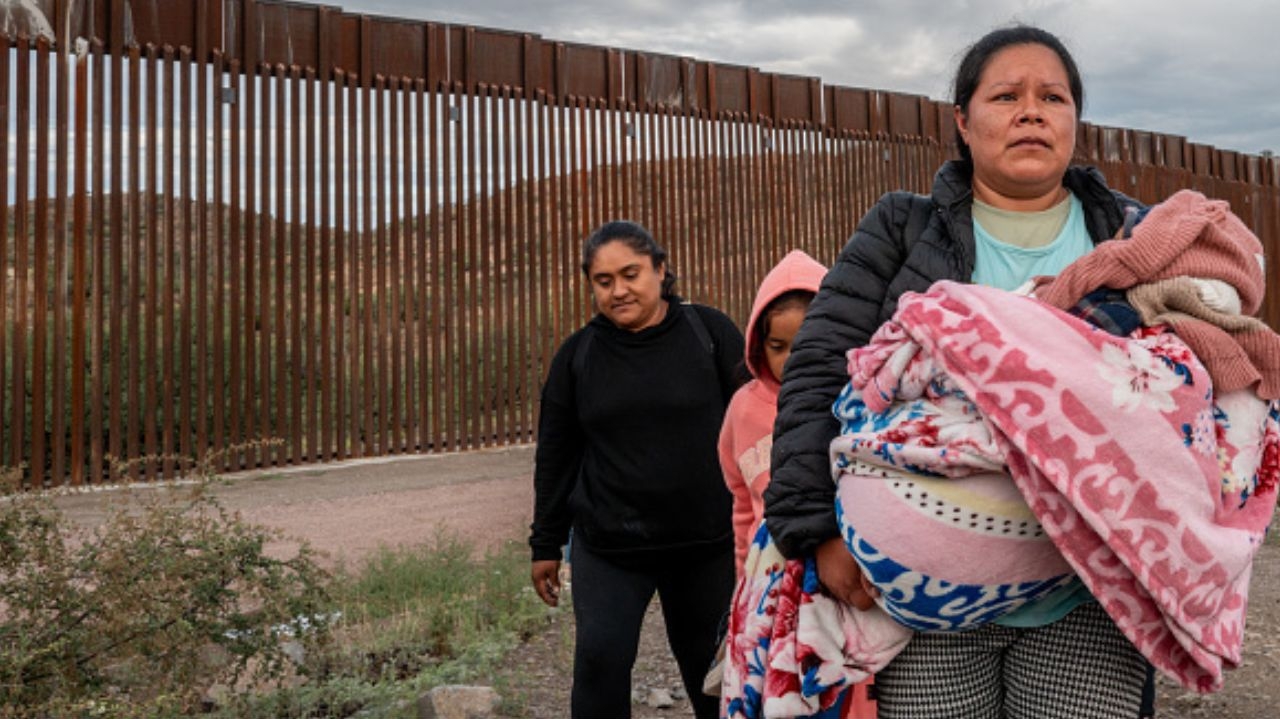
<point x="458" y="702"/>
<point x="295" y="651"/>
<point x="660" y="699"/>
<point x="677" y="693"/>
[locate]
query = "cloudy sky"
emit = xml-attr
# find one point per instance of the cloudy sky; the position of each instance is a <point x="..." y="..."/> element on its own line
<point x="1209" y="71"/>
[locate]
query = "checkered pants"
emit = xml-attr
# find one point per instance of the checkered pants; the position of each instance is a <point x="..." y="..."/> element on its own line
<point x="1078" y="667"/>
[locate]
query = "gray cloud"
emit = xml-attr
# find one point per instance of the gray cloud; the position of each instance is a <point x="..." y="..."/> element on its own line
<point x="1176" y="66"/>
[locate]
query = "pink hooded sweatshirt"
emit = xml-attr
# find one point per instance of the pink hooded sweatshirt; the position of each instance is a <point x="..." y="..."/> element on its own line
<point x="746" y="437"/>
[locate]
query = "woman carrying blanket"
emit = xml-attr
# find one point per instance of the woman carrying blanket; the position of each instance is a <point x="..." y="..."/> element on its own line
<point x="1010" y="209"/>
<point x="631" y="411"/>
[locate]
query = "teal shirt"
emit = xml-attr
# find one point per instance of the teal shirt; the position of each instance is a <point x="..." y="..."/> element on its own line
<point x="1008" y="267"/>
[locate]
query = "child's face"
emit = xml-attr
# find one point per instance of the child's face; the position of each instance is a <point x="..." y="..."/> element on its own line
<point x="783" y="325"/>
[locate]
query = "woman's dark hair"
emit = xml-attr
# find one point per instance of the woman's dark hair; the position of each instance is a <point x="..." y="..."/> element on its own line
<point x="975" y="60"/>
<point x="639" y="240"/>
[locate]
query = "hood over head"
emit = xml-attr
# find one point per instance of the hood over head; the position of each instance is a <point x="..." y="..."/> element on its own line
<point x="796" y="271"/>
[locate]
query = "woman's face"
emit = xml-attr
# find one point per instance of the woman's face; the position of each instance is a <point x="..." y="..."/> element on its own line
<point x="627" y="287"/>
<point x="1021" y="129"/>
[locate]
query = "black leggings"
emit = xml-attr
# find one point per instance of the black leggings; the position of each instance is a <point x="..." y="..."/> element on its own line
<point x="609" y="603"/>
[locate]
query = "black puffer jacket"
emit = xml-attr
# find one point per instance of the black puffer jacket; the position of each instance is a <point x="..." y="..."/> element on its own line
<point x="904" y="244"/>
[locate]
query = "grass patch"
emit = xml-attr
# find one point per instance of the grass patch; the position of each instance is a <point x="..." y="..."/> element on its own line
<point x="411" y="619"/>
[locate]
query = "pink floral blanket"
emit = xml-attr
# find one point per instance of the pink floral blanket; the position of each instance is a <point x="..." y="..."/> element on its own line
<point x="1156" y="491"/>
<point x="791" y="649"/>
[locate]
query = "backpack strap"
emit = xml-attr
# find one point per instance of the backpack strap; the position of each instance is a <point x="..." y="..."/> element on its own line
<point x="700" y="328"/>
<point x="579" y="364"/>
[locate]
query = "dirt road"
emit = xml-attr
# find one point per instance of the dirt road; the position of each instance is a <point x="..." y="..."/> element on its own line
<point x="347" y="510"/>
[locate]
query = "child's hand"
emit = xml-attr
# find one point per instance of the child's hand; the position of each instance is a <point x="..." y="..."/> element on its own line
<point x="842" y="577"/>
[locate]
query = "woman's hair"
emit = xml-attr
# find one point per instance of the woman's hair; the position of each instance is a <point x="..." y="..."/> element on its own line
<point x="798" y="299"/>
<point x="639" y="240"/>
<point x="975" y="60"/>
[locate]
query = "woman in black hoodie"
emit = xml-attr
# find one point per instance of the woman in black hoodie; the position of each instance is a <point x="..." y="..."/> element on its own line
<point x="631" y="411"/>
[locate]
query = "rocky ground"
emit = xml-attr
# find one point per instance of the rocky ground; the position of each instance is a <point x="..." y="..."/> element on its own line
<point x="349" y="509"/>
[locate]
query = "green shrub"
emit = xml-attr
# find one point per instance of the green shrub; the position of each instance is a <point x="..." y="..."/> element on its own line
<point x="171" y="596"/>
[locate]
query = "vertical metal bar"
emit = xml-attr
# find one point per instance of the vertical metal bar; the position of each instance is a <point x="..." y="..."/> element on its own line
<point x="18" y="415"/>
<point x="521" y="300"/>
<point x="474" y="369"/>
<point x="455" y="336"/>
<point x="181" y="243"/>
<point x="438" y="166"/>
<point x="596" y="170"/>
<point x="627" y="156"/>
<point x="673" y="239"/>
<point x="765" y="251"/>
<point x="9" y="452"/>
<point x="159" y="303"/>
<point x="534" y="179"/>
<point x="694" y="257"/>
<point x="58" y="399"/>
<point x="355" y="239"/>
<point x="115" y="347"/>
<point x="238" y="256"/>
<point x="221" y="397"/>
<point x="268" y="420"/>
<point x="80" y="298"/>
<point x="369" y="445"/>
<point x="512" y="339"/>
<point x="315" y="381"/>
<point x="380" y="297"/>
<point x="389" y="207"/>
<point x="465" y="280"/>
<point x="97" y="346"/>
<point x="249" y="204"/>
<point x="483" y="268"/>
<point x="406" y="218"/>
<point x="286" y="421"/>
<point x="738" y="281"/>
<point x="330" y="274"/>
<point x="190" y="243"/>
<point x="426" y="367"/>
<point x="559" y="224"/>
<point x="540" y="175"/>
<point x="651" y="190"/>
<point x="40" y="251"/>
<point x="342" y="347"/>
<point x="297" y="262"/>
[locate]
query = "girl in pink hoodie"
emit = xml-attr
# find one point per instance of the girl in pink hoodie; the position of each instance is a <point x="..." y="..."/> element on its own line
<point x="746" y="437"/>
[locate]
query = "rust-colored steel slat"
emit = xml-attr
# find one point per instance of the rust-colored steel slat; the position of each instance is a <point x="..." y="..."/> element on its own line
<point x="403" y="264"/>
<point x="97" y="390"/>
<point x="278" y="362"/>
<point x="22" y="165"/>
<point x="330" y="272"/>
<point x="232" y="93"/>
<point x="163" y="405"/>
<point x="297" y="264"/>
<point x="58" y="386"/>
<point x="38" y="459"/>
<point x="183" y="243"/>
<point x="316" y="317"/>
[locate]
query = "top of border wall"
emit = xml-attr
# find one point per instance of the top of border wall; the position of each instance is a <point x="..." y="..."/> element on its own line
<point x="365" y="49"/>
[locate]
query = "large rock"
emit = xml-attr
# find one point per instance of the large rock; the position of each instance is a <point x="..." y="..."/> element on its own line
<point x="458" y="702"/>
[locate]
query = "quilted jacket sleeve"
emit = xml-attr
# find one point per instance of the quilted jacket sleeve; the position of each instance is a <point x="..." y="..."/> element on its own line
<point x="799" y="501"/>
